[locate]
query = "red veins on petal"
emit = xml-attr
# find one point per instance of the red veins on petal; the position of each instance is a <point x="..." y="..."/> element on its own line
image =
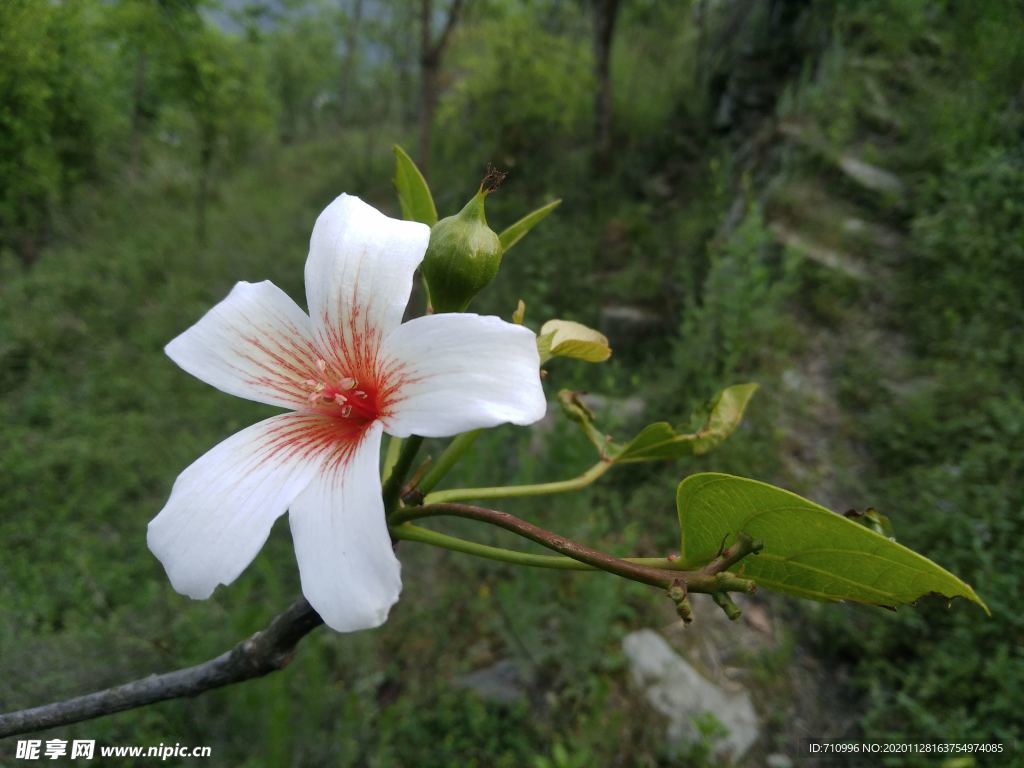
<point x="312" y="435"/>
<point x="280" y="360"/>
<point x="352" y="354"/>
<point x="339" y="386"/>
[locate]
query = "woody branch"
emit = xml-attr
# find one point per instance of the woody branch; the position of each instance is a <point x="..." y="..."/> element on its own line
<point x="272" y="648"/>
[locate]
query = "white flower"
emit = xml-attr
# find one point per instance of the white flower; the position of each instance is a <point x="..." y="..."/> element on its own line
<point x="347" y="372"/>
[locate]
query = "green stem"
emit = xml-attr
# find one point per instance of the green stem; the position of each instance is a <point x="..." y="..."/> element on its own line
<point x="391" y="457"/>
<point x="448" y="458"/>
<point x="410" y="532"/>
<point x="511" y="491"/>
<point x="393" y="485"/>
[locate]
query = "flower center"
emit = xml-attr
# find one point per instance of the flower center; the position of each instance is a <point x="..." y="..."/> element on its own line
<point x="341" y="396"/>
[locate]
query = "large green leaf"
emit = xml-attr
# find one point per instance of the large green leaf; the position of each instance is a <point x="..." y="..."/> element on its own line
<point x="808" y="551"/>
<point x="660" y="441"/>
<point x="517" y="231"/>
<point x="413" y="193"/>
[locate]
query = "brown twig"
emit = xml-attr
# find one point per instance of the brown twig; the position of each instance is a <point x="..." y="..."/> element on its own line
<point x="711" y="579"/>
<point x="727" y="558"/>
<point x="266" y="651"/>
<point x="540" y="535"/>
<point x="272" y="648"/>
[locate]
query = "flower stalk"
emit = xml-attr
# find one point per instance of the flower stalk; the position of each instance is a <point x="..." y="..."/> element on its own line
<point x="393" y="485"/>
<point x="436" y="473"/>
<point x="391" y="457"/>
<point x="514" y="491"/>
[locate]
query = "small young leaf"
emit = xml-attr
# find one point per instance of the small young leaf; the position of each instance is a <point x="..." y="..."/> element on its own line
<point x="873" y="520"/>
<point x="413" y="192"/>
<point x="656" y="442"/>
<point x="726" y="414"/>
<point x="564" y="338"/>
<point x="576" y="410"/>
<point x="520" y="314"/>
<point x="517" y="231"/>
<point x="808" y="551"/>
<point x="661" y="442"/>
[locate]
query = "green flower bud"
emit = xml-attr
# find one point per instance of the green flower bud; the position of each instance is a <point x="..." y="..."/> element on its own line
<point x="462" y="257"/>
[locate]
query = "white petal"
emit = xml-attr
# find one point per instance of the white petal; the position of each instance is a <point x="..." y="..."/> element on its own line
<point x="255" y="344"/>
<point x="222" y="507"/>
<point x="358" y="278"/>
<point x="349" y="571"/>
<point x="457" y="372"/>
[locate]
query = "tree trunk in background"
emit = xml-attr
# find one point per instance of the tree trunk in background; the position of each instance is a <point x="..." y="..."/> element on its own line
<point x="30" y="228"/>
<point x="698" y="57"/>
<point x="605" y="13"/>
<point x="428" y="104"/>
<point x="138" y="114"/>
<point x="431" y="54"/>
<point x="753" y="51"/>
<point x="407" y="60"/>
<point x="350" y="62"/>
<point x="205" y="179"/>
<point x="428" y="82"/>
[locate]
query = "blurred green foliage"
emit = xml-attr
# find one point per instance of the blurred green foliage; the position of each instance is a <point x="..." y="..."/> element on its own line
<point x="123" y="123"/>
<point x="528" y="97"/>
<point x="934" y="91"/>
<point x="54" y="82"/>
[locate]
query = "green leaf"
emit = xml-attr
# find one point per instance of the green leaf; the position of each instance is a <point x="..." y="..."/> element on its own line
<point x="660" y="441"/>
<point x="413" y="192"/>
<point x="564" y="338"/>
<point x="808" y="551"/>
<point x="517" y="231"/>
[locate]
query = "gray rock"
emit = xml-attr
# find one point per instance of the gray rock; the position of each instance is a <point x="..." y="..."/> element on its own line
<point x="619" y="409"/>
<point x="832" y="258"/>
<point x="873" y="235"/>
<point x="626" y="325"/>
<point x="612" y="413"/>
<point x="501" y="683"/>
<point x="541" y="431"/>
<point x="778" y="760"/>
<point x="870" y="177"/>
<point x="677" y="690"/>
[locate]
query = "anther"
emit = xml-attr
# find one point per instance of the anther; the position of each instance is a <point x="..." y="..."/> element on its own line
<point x="346" y="411"/>
<point x="346" y="384"/>
<point x="321" y="364"/>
